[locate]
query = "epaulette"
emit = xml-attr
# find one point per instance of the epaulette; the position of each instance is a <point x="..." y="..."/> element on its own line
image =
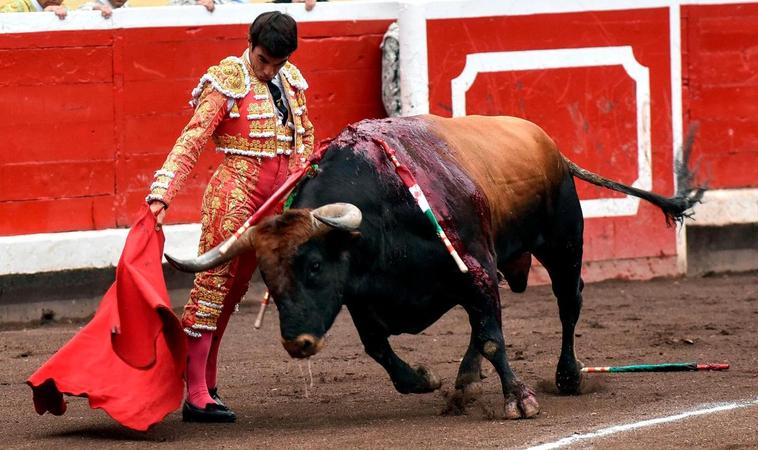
<point x="230" y="77"/>
<point x="294" y="77"/>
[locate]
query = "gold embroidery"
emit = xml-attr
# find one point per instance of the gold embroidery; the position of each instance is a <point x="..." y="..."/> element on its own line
<point x="241" y="166"/>
<point x="229" y="76"/>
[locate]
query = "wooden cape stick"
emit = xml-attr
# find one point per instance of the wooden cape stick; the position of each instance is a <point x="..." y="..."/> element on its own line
<point x="278" y="195"/>
<point x="665" y="367"/>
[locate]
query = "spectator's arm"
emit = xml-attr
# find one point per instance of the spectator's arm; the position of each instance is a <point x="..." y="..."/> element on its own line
<point x="59" y="10"/>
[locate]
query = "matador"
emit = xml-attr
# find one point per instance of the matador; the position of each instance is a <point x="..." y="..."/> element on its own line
<point x="254" y="109"/>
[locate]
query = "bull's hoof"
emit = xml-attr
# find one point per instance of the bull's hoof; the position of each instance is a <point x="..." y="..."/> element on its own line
<point x="461" y="398"/>
<point x="431" y="382"/>
<point x="521" y="404"/>
<point x="423" y="381"/>
<point x="568" y="377"/>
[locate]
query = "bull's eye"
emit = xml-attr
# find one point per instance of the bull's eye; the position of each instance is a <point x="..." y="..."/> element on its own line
<point x="315" y="267"/>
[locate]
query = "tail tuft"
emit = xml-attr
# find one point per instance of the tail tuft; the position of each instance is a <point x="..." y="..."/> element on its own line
<point x="676" y="208"/>
<point x="687" y="194"/>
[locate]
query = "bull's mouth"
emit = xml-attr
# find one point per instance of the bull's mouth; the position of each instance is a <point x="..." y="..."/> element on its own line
<point x="303" y="346"/>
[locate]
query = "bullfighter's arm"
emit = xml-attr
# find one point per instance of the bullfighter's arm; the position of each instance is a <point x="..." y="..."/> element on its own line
<point x="308" y="126"/>
<point x="211" y="109"/>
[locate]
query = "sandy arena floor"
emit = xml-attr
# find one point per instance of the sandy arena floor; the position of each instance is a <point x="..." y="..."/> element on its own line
<point x="353" y="405"/>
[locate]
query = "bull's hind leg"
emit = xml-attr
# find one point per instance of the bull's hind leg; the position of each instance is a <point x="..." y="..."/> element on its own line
<point x="487" y="337"/>
<point x="561" y="254"/>
<point x="564" y="273"/>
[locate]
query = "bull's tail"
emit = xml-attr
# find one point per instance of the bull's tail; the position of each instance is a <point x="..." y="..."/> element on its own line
<point x="675" y="208"/>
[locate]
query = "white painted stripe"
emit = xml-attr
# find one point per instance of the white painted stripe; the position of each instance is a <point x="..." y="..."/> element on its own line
<point x="50" y="252"/>
<point x="645" y="423"/>
<point x="174" y="16"/>
<point x="727" y="207"/>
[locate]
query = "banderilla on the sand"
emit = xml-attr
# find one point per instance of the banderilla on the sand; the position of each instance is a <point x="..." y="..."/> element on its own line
<point x="665" y="367"/>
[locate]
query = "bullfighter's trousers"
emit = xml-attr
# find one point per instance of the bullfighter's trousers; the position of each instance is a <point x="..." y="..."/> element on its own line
<point x="236" y="190"/>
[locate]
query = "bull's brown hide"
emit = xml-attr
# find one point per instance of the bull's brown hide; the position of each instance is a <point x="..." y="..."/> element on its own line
<point x="510" y="159"/>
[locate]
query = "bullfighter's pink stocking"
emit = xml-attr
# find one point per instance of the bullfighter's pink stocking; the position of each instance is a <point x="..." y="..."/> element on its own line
<point x="197" y="358"/>
<point x="212" y="365"/>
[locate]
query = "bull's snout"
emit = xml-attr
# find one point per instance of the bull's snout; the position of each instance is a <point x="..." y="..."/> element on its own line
<point x="303" y="346"/>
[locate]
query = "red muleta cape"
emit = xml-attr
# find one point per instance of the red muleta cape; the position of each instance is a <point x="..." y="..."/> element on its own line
<point x="130" y="359"/>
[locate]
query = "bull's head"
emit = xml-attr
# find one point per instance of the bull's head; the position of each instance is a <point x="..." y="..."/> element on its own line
<point x="304" y="261"/>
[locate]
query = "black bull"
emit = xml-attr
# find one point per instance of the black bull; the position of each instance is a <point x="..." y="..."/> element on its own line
<point x="503" y="192"/>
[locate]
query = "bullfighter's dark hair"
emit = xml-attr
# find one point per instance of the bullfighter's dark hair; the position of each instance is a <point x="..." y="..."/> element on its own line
<point x="275" y="32"/>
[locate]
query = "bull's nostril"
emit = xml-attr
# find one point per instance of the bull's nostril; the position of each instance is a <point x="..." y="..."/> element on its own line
<point x="307" y="344"/>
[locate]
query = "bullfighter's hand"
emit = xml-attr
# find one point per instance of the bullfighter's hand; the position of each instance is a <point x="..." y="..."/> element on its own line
<point x="59" y="10"/>
<point x="159" y="211"/>
<point x="208" y="4"/>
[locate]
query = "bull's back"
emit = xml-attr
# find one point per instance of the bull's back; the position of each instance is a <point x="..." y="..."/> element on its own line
<point x="513" y="161"/>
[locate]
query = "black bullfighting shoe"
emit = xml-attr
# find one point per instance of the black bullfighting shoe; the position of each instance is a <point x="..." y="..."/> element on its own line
<point x="213" y="392"/>
<point x="212" y="413"/>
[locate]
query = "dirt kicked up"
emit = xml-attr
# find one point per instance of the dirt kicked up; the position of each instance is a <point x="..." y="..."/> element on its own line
<point x="352" y="404"/>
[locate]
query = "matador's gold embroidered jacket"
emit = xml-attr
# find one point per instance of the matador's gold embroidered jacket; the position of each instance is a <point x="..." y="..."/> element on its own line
<point x="236" y="109"/>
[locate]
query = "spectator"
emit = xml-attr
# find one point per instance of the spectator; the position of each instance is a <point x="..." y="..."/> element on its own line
<point x="53" y="6"/>
<point x="105" y="7"/>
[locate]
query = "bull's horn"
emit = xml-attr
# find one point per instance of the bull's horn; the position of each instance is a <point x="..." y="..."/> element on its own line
<point x="343" y="216"/>
<point x="214" y="257"/>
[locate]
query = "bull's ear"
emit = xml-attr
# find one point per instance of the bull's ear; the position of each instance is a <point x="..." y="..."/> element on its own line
<point x="343" y="216"/>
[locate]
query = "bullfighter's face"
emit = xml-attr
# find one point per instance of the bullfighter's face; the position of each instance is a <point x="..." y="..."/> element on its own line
<point x="264" y="65"/>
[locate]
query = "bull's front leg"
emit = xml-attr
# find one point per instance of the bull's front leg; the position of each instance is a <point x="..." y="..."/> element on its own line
<point x="467" y="383"/>
<point x="406" y="379"/>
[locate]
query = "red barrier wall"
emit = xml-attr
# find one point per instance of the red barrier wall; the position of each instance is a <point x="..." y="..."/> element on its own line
<point x="720" y="79"/>
<point x="88" y="116"/>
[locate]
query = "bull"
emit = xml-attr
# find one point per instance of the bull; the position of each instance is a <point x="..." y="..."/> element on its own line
<point x="355" y="237"/>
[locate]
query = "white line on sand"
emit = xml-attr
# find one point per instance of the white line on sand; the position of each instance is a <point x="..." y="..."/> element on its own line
<point x="645" y="423"/>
